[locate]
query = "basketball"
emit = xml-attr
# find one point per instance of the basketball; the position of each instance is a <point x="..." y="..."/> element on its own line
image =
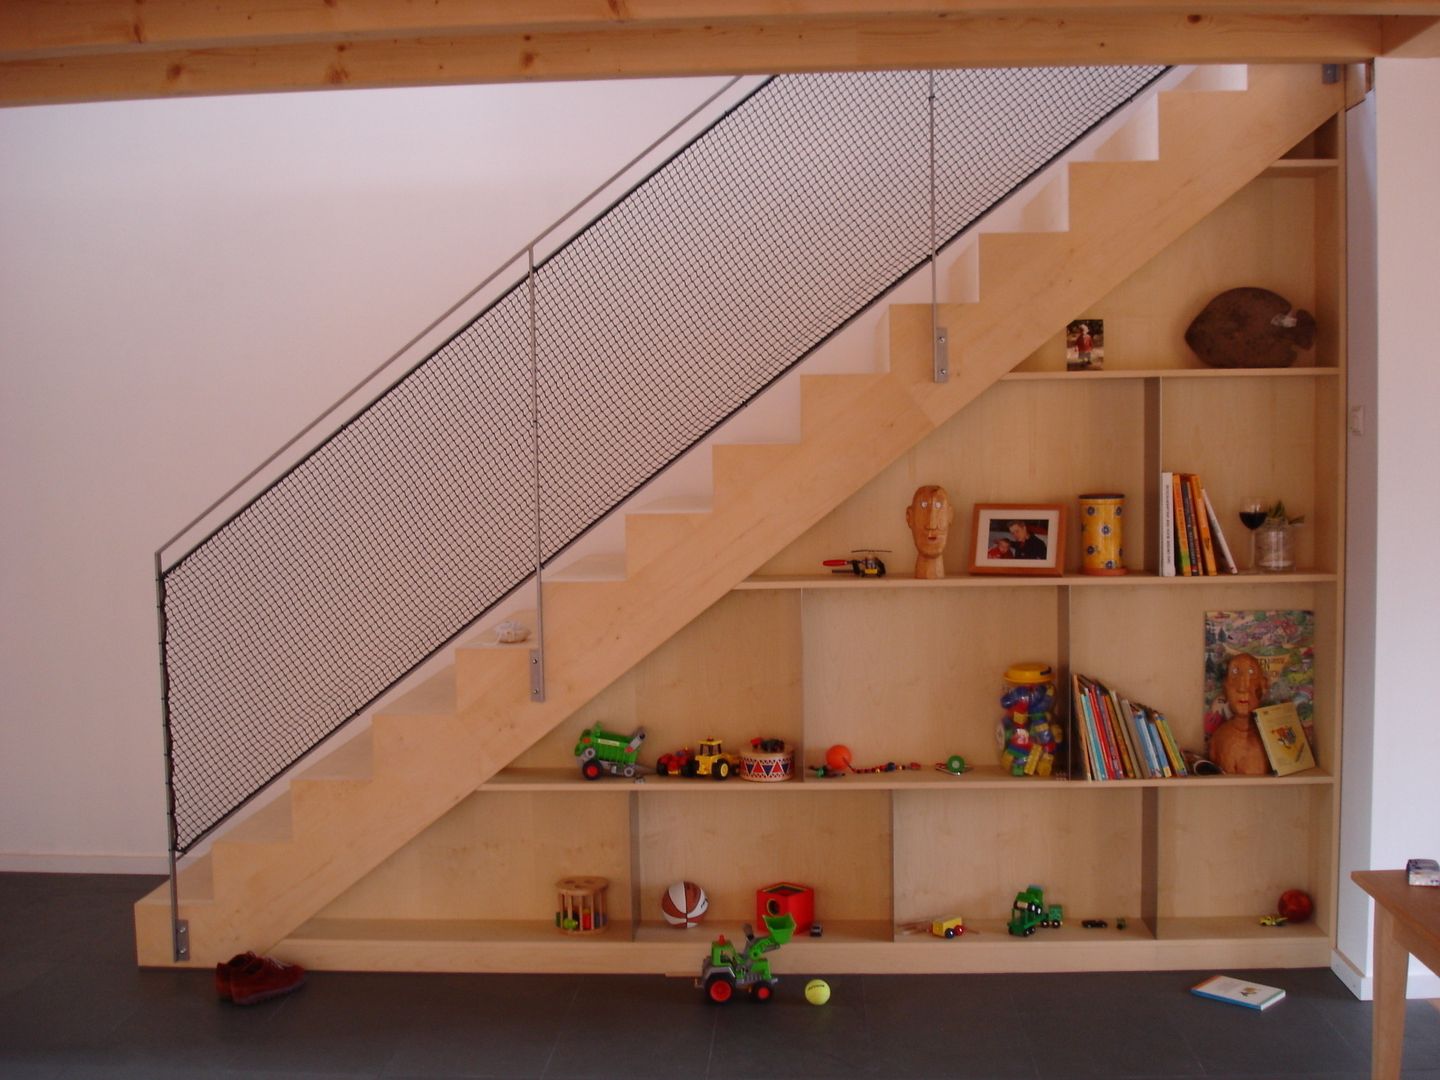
<point x="684" y="904"/>
<point x="817" y="991"/>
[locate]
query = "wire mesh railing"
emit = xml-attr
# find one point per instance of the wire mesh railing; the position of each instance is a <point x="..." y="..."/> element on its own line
<point x="654" y="323"/>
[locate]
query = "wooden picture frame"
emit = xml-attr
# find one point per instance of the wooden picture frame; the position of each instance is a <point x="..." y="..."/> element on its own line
<point x="1008" y="538"/>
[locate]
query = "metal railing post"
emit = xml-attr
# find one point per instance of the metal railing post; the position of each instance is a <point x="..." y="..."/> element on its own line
<point x="537" y="654"/>
<point x="939" y="339"/>
<point x="179" y="928"/>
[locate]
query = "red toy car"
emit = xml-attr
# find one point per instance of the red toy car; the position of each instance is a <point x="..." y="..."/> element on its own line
<point x="680" y="763"/>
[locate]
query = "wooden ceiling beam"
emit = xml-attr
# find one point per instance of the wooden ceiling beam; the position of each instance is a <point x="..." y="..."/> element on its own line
<point x="625" y="47"/>
<point x="1408" y="37"/>
<point x="54" y="27"/>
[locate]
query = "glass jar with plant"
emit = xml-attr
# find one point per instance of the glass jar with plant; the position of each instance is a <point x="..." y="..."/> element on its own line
<point x="1274" y="540"/>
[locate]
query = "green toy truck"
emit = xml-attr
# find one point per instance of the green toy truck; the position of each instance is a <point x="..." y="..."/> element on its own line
<point x="1030" y="912"/>
<point x="602" y="751"/>
<point x="727" y="969"/>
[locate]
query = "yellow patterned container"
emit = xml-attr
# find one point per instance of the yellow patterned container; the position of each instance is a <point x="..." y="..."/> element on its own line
<point x="1102" y="534"/>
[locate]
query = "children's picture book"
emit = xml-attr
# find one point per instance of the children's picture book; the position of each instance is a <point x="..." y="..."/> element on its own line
<point x="1284" y="738"/>
<point x="1282" y="642"/>
<point x="1085" y="345"/>
<point x="1250" y="995"/>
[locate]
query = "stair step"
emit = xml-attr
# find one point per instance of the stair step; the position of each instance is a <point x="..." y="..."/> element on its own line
<point x="825" y="398"/>
<point x="606" y="567"/>
<point x="351" y="760"/>
<point x="676" y="504"/>
<point x="431" y="696"/>
<point x="652" y="533"/>
<point x="739" y="466"/>
<point x="270" y="824"/>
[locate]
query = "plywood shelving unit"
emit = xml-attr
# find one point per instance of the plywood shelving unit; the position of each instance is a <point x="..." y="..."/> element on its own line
<point x="904" y="670"/>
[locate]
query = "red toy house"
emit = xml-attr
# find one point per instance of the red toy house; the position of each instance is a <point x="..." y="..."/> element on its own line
<point x="784" y="898"/>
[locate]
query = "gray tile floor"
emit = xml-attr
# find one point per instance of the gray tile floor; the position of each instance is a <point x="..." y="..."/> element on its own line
<point x="72" y="1004"/>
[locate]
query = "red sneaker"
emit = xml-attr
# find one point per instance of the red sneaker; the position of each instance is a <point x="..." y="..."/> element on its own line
<point x="225" y="972"/>
<point x="263" y="979"/>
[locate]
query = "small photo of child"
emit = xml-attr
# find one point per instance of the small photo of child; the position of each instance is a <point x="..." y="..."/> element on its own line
<point x="1085" y="345"/>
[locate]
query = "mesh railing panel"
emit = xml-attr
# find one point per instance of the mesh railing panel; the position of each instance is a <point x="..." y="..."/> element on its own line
<point x="660" y="319"/>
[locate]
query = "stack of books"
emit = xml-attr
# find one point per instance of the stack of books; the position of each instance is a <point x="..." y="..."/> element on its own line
<point x="1121" y="739"/>
<point x="1192" y="543"/>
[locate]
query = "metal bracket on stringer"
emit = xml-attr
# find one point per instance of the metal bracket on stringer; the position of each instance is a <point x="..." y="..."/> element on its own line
<point x="1329" y="73"/>
<point x="537" y="675"/>
<point x="180" y="938"/>
<point x="941" y="355"/>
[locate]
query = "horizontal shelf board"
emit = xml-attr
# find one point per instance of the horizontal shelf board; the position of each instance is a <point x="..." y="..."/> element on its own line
<point x="1237" y="928"/>
<point x="1175" y="373"/>
<point x="1301" y="168"/>
<point x="1140" y="578"/>
<point x="522" y="931"/>
<point x="988" y="777"/>
<point x="1309" y="778"/>
<point x="995" y="930"/>
<point x="326" y="944"/>
<point x="836" y="933"/>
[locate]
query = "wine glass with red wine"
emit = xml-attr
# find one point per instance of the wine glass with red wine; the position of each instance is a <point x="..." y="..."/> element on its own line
<point x="1252" y="516"/>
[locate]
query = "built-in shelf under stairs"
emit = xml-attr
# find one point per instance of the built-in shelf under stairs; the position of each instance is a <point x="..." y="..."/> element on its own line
<point x="267" y="875"/>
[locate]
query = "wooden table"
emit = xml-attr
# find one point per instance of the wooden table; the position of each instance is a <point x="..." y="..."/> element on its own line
<point x="1407" y="922"/>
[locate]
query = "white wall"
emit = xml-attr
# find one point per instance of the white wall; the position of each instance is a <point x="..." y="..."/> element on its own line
<point x="183" y="286"/>
<point x="1393" y="812"/>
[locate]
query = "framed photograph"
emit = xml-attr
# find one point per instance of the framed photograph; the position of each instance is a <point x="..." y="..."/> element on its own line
<point x="1085" y="345"/>
<point x="1018" y="538"/>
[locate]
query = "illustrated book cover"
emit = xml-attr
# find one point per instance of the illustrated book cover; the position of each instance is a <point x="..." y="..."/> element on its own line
<point x="1284" y="738"/>
<point x="1282" y="641"/>
<point x="1249" y="995"/>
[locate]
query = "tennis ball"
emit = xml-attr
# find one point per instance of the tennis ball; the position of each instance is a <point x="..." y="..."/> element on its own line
<point x="817" y="991"/>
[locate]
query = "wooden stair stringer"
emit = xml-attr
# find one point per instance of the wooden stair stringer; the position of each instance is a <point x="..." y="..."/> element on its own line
<point x="765" y="498"/>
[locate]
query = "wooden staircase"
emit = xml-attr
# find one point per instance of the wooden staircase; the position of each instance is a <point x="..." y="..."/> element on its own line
<point x="267" y="875"/>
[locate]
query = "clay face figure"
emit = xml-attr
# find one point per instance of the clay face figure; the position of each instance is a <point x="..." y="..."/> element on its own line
<point x="929" y="515"/>
<point x="1235" y="745"/>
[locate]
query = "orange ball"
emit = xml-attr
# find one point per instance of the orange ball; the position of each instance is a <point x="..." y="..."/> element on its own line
<point x="837" y="758"/>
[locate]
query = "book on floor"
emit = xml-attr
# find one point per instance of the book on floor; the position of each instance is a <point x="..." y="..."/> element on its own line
<point x="1233" y="991"/>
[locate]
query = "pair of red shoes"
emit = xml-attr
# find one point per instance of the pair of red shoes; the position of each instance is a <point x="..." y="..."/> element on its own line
<point x="248" y="979"/>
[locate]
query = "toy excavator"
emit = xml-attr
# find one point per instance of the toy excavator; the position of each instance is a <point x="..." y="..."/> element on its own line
<point x="727" y="968"/>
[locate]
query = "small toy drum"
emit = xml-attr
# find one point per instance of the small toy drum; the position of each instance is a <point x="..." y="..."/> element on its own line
<point x="767" y="767"/>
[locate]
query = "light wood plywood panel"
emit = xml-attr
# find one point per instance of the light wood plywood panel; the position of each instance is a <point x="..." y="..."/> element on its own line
<point x="1247" y="437"/>
<point x="1030" y="442"/>
<point x="732" y="674"/>
<point x="1147" y="644"/>
<point x="969" y="856"/>
<point x="497" y="857"/>
<point x="837" y="842"/>
<point x="1264" y="236"/>
<point x="916" y="674"/>
<point x="1233" y="851"/>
